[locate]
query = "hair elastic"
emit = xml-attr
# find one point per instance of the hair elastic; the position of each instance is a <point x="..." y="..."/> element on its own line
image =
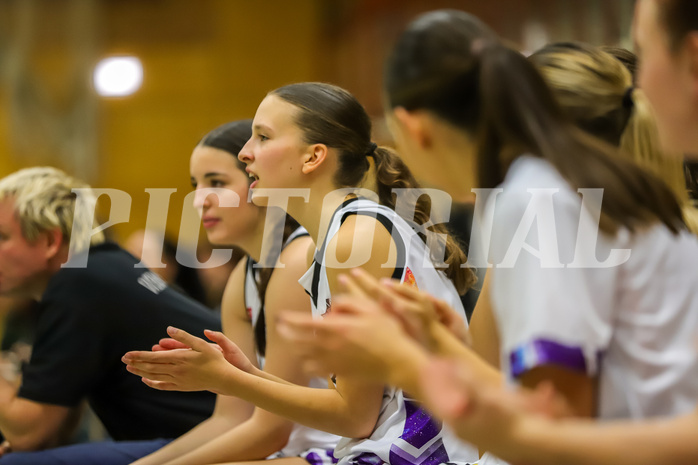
<point x="628" y="98"/>
<point x="371" y="152"/>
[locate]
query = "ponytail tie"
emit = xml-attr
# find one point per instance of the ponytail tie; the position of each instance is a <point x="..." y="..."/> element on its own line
<point x="628" y="98"/>
<point x="371" y="152"/>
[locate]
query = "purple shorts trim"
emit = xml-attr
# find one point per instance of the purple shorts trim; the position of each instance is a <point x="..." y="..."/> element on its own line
<point x="546" y="352"/>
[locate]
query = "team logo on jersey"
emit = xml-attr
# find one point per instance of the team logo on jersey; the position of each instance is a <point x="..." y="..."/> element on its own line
<point x="249" y="313"/>
<point x="409" y="278"/>
<point x="152" y="282"/>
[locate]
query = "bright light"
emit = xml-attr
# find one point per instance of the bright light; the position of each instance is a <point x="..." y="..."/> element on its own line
<point x="118" y="76"/>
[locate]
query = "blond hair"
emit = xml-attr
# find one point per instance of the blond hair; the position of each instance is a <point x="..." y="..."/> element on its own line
<point x="596" y="91"/>
<point x="44" y="200"/>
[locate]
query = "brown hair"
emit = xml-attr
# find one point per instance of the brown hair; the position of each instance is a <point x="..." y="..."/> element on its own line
<point x="595" y="90"/>
<point x="331" y="116"/>
<point x="449" y="63"/>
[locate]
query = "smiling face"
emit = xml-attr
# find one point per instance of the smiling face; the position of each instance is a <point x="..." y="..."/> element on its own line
<point x="274" y="155"/>
<point x="668" y="78"/>
<point x="23" y="264"/>
<point x="215" y="168"/>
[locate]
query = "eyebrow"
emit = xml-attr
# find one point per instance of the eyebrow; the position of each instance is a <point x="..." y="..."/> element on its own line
<point x="258" y="127"/>
<point x="211" y="174"/>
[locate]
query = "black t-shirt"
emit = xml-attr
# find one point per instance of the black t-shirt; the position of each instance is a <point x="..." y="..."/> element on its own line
<point x="89" y="318"/>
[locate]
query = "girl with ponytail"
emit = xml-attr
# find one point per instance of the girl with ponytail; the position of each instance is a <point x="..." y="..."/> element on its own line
<point x="596" y="91"/>
<point x="312" y="141"/>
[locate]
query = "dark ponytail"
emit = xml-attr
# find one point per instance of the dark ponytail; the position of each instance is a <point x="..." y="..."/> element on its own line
<point x="519" y="111"/>
<point x="330" y="115"/>
<point x="449" y="63"/>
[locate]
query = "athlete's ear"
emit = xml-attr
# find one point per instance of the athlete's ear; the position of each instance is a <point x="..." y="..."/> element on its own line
<point x="52" y="241"/>
<point x="414" y="125"/>
<point x="314" y="157"/>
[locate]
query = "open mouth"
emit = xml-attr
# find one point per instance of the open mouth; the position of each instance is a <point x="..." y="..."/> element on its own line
<point x="255" y="180"/>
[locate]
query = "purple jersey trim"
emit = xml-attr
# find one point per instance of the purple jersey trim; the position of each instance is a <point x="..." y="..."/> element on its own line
<point x="319" y="456"/>
<point x="420" y="429"/>
<point x="367" y="458"/>
<point x="546" y="352"/>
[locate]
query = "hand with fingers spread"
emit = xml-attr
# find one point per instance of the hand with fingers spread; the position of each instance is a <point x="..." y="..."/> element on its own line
<point x="191" y="364"/>
<point x="357" y="339"/>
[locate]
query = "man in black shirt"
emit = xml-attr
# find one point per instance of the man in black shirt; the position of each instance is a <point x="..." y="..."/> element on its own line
<point x="90" y="315"/>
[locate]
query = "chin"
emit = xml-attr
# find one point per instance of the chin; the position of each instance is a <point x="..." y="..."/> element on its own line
<point x="260" y="201"/>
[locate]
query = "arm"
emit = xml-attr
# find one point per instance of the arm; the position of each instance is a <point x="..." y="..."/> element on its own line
<point x="483" y="327"/>
<point x="420" y="317"/>
<point x="577" y="442"/>
<point x="516" y="425"/>
<point x="229" y="411"/>
<point x="29" y="425"/>
<point x="265" y="433"/>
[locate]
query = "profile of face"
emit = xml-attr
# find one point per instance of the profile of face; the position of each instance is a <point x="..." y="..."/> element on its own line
<point x="215" y="168"/>
<point x="23" y="264"/>
<point x="275" y="153"/>
<point x="668" y="78"/>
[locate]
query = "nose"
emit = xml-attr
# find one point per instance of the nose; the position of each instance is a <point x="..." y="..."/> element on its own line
<point x="245" y="154"/>
<point x="201" y="199"/>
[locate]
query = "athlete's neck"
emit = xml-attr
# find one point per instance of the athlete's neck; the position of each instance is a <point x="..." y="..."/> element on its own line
<point x="315" y="215"/>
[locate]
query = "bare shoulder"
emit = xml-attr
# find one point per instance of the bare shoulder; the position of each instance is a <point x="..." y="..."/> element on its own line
<point x="296" y="256"/>
<point x="362" y="241"/>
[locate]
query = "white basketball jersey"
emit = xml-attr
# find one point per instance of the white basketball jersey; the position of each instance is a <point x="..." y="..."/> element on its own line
<point x="405" y="433"/>
<point x="633" y="325"/>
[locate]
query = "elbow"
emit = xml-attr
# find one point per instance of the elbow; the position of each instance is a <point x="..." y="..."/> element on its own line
<point x="278" y="436"/>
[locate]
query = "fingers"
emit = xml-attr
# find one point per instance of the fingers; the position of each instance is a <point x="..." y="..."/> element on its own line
<point x="367" y="285"/>
<point x="196" y="343"/>
<point x="222" y="340"/>
<point x="160" y="385"/>
<point x="148" y="373"/>
<point x="406" y="291"/>
<point x="350" y="286"/>
<point x="169" y="344"/>
<point x="161" y="356"/>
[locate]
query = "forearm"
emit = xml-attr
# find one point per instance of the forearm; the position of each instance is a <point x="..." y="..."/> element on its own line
<point x="404" y="366"/>
<point x="260" y="436"/>
<point x="30" y="425"/>
<point x="198" y="437"/>
<point x="322" y="409"/>
<point x="268" y="376"/>
<point x="448" y="346"/>
<point x="587" y="442"/>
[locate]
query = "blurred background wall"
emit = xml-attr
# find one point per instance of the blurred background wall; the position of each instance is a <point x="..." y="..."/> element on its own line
<point x="206" y="62"/>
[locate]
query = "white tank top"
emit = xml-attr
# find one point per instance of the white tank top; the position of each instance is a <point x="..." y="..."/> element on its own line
<point x="405" y="433"/>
